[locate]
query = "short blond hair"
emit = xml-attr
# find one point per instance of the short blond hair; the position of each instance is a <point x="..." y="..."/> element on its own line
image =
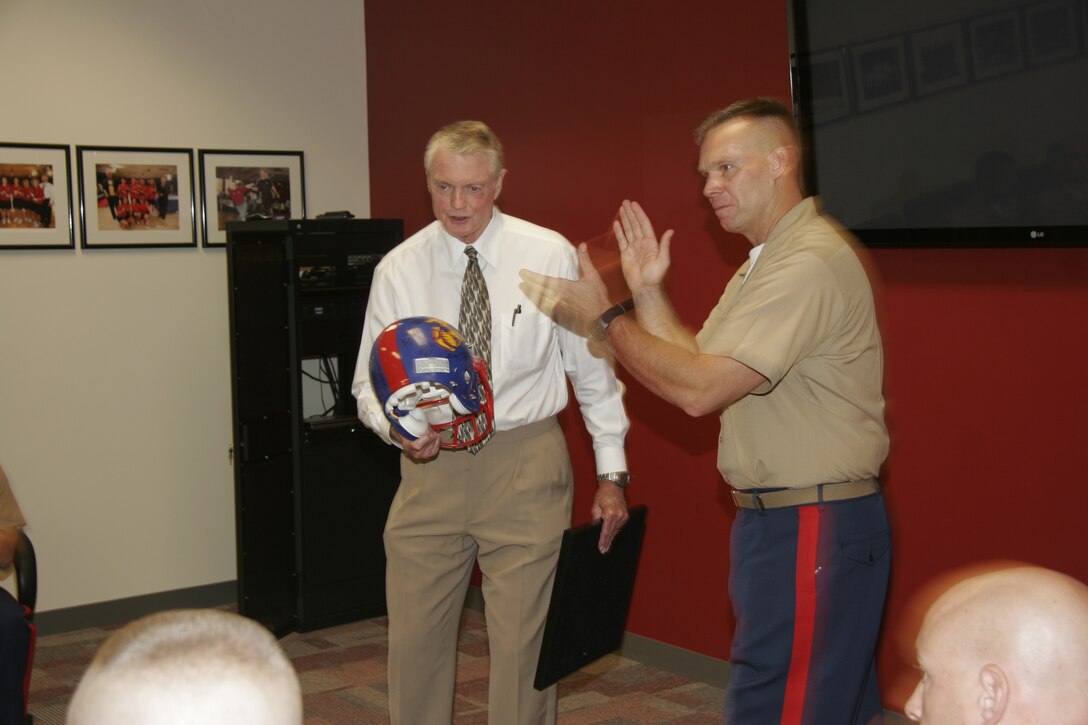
<point x="762" y="108"/>
<point x="189" y="666"/>
<point x="466" y="137"/>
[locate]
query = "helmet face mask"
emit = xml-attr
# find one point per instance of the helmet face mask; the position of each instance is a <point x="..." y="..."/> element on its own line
<point x="425" y="376"/>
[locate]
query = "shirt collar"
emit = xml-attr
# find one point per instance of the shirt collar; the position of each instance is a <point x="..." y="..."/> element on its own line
<point x="801" y="212"/>
<point x="487" y="244"/>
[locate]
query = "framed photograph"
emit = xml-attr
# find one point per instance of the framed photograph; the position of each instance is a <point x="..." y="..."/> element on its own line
<point x="240" y="185"/>
<point x="996" y="48"/>
<point x="1051" y="31"/>
<point x="826" y="78"/>
<point x="1084" y="25"/>
<point x="135" y="197"/>
<point x="880" y="73"/>
<point x="940" y="58"/>
<point x="36" y="197"/>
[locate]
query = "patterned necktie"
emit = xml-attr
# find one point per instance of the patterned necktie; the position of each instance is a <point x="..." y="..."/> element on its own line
<point x="474" y="318"/>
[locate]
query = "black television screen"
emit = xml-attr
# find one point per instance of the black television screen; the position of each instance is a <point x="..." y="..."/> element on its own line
<point x="954" y="123"/>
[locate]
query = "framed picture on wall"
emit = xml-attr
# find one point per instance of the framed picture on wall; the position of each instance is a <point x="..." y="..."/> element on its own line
<point x="36" y="197"/>
<point x="940" y="58"/>
<point x="1051" y="31"/>
<point x="135" y="197"/>
<point x="830" y="92"/>
<point x="880" y="73"/>
<point x="995" y="44"/>
<point x="240" y="185"/>
<point x="1084" y="25"/>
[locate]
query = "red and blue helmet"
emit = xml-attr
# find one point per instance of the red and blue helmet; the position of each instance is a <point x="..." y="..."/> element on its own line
<point x="425" y="375"/>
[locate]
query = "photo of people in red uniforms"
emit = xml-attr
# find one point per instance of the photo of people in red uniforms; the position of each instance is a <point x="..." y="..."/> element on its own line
<point x="137" y="197"/>
<point x="26" y="196"/>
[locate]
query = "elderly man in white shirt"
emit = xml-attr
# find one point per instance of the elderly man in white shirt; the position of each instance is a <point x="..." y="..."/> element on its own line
<point x="505" y="506"/>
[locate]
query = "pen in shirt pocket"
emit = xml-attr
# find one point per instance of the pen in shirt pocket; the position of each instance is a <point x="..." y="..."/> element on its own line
<point x="514" y="317"/>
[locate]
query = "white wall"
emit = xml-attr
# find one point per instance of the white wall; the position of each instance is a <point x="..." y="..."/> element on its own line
<point x="115" y="364"/>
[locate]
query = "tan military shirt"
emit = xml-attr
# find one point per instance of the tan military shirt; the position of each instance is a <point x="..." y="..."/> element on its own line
<point x="805" y="319"/>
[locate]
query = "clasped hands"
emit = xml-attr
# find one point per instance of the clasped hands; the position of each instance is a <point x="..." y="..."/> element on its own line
<point x="575" y="303"/>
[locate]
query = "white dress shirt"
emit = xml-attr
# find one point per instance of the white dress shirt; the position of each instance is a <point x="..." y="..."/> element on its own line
<point x="531" y="356"/>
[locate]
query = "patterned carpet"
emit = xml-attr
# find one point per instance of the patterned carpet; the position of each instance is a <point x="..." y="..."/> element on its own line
<point x="342" y="670"/>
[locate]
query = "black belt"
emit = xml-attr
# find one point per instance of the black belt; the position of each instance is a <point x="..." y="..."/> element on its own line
<point x="821" y="493"/>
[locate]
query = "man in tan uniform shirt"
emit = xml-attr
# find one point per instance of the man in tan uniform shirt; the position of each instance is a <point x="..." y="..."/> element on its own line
<point x="791" y="360"/>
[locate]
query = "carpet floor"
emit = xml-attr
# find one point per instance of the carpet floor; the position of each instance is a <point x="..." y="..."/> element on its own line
<point x="342" y="671"/>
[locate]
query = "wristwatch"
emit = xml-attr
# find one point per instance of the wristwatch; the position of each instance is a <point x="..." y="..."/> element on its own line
<point x="599" y="327"/>
<point x="620" y="478"/>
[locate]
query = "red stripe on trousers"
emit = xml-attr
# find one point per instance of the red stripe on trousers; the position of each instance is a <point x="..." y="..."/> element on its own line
<point x="804" y="622"/>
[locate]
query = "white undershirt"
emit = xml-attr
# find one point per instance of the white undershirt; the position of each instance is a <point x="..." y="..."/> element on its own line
<point x="753" y="255"/>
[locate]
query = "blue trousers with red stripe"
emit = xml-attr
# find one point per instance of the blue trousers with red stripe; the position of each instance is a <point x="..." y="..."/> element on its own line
<point x="808" y="585"/>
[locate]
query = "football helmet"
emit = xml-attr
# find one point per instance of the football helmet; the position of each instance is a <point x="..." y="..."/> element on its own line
<point x="425" y="375"/>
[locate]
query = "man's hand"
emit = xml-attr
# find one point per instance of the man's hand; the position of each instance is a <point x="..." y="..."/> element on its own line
<point x="421" y="449"/>
<point x="610" y="506"/>
<point x="645" y="261"/>
<point x="571" y="303"/>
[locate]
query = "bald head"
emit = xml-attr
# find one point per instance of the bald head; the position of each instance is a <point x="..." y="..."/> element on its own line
<point x="189" y="666"/>
<point x="1008" y="646"/>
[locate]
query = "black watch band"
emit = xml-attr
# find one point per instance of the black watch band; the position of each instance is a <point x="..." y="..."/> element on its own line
<point x="599" y="329"/>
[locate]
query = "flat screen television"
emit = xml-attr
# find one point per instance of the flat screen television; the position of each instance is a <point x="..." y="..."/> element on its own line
<point x="957" y="123"/>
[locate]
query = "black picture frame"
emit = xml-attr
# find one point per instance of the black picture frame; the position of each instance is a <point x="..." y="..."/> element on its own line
<point x="1084" y="26"/>
<point x="25" y="221"/>
<point x="880" y="73"/>
<point x="1051" y="31"/>
<point x="225" y="170"/>
<point x="133" y="197"/>
<point x="996" y="48"/>
<point x="828" y="82"/>
<point x="940" y="58"/>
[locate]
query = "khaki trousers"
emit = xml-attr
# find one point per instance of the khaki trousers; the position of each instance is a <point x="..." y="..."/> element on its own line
<point x="505" y="507"/>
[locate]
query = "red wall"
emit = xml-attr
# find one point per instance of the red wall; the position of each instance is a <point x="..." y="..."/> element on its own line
<point x="595" y="103"/>
<point x="986" y="361"/>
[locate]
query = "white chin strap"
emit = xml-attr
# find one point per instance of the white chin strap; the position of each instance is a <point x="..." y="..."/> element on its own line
<point x="426" y="405"/>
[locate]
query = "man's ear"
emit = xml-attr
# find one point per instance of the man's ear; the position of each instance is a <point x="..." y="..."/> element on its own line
<point x="994" y="698"/>
<point x="498" y="184"/>
<point x="781" y="160"/>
